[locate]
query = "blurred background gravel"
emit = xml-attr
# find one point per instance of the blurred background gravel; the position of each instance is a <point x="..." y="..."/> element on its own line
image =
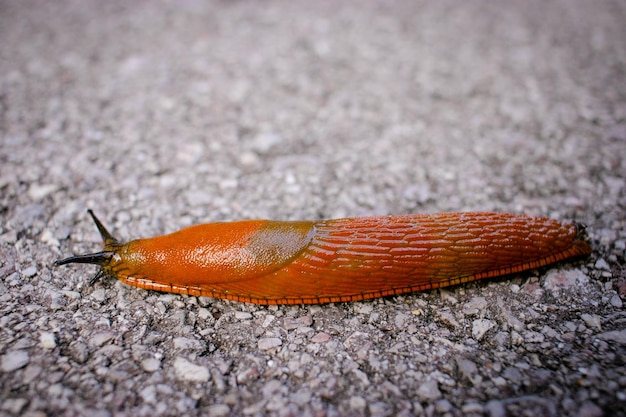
<point x="160" y="114"/>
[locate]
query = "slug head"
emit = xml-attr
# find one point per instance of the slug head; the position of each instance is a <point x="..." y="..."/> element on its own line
<point x="108" y="259"/>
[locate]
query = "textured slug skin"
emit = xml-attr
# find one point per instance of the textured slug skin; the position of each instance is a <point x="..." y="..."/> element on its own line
<point x="272" y="262"/>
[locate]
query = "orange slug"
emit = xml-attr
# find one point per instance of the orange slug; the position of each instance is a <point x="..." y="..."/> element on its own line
<point x="314" y="262"/>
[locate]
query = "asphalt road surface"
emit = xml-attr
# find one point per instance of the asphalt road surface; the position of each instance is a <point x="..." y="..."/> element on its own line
<point x="158" y="115"/>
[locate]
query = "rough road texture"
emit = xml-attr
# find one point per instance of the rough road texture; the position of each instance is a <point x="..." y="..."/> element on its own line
<point x="162" y="114"/>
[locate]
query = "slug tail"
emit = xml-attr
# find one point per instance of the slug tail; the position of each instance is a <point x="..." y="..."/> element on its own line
<point x="582" y="242"/>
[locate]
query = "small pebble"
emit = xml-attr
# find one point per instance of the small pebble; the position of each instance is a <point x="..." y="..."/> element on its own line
<point x="79" y="352"/>
<point x="271" y="387"/>
<point x="589" y="409"/>
<point x="183" y="343"/>
<point x="513" y="375"/>
<point x="447" y="297"/>
<point x="38" y="192"/>
<point x="377" y="408"/>
<point x="198" y="198"/>
<point x="549" y="332"/>
<point x="291" y="323"/>
<point x="361" y="377"/>
<point x="495" y="408"/>
<point x="618" y="336"/>
<point x="263" y="142"/>
<point x="218" y="410"/>
<point x="188" y="371"/>
<point x="99" y="339"/>
<point x="98" y="295"/>
<point x="562" y="280"/>
<point x="570" y="325"/>
<point x="447" y="318"/>
<point x="247" y="375"/>
<point x="357" y="403"/>
<point x="48" y="340"/>
<point x="592" y="321"/>
<point x="242" y="315"/>
<point x="475" y="305"/>
<point x="467" y="368"/>
<point x="149" y="394"/>
<point x="472" y="408"/>
<point x="616" y="301"/>
<point x="602" y="264"/>
<point x="302" y="397"/>
<point x="480" y="327"/>
<point x="401" y="319"/>
<point x="513" y="321"/>
<point x="364" y="308"/>
<point x="33" y="372"/>
<point x="249" y="159"/>
<point x="14" y="405"/>
<point x="428" y="391"/>
<point x="533" y="337"/>
<point x="443" y="406"/>
<point x="499" y="382"/>
<point x="14" y="360"/>
<point x="204" y="313"/>
<point x="30" y="271"/>
<point x="48" y="238"/>
<point x="269" y="343"/>
<point x="268" y="320"/>
<point x="321" y="337"/>
<point x="150" y="364"/>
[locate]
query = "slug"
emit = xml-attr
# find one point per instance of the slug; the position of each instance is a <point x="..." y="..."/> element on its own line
<point x="315" y="262"/>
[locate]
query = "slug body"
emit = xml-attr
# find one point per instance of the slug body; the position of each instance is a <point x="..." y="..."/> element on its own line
<point x="274" y="262"/>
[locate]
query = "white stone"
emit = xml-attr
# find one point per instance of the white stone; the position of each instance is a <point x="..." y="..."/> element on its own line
<point x="269" y="343"/>
<point x="188" y="371"/>
<point x="150" y="364"/>
<point x="182" y="343"/>
<point x="38" y="192"/>
<point x="14" y="360"/>
<point x="30" y="271"/>
<point x="429" y="391"/>
<point x="242" y="315"/>
<point x="48" y="340"/>
<point x="480" y="327"/>
<point x="616" y="301"/>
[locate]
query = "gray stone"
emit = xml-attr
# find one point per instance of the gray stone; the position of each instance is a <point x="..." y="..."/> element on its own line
<point x="14" y="360"/>
<point x="269" y="343"/>
<point x="188" y="371"/>
<point x="428" y="390"/>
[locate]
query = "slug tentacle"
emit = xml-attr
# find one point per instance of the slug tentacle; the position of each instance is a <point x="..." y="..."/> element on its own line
<point x="271" y="262"/>
<point x="106" y="258"/>
<point x="107" y="238"/>
<point x="99" y="275"/>
<point x="98" y="258"/>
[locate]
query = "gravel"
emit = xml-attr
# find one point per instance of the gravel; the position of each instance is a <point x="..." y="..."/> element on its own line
<point x="159" y="115"/>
